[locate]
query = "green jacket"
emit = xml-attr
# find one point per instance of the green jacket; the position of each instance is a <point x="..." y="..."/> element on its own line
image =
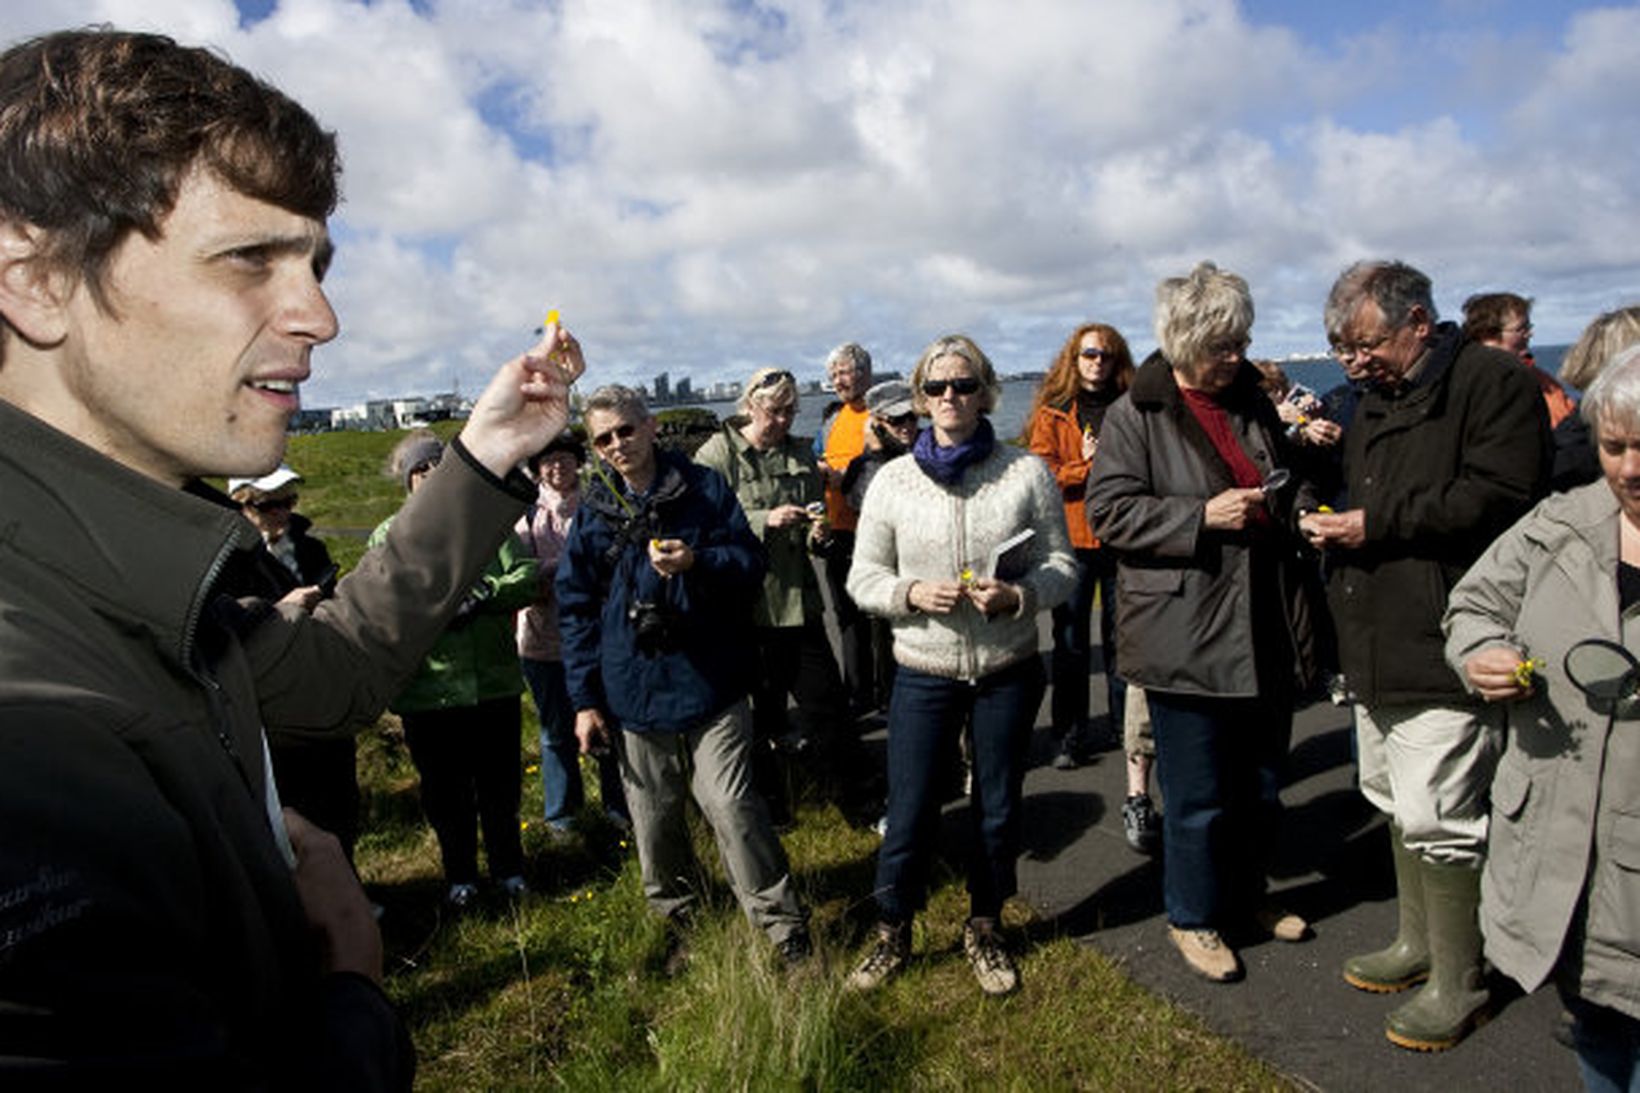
<point x="476" y="658"/>
<point x="763" y="481"/>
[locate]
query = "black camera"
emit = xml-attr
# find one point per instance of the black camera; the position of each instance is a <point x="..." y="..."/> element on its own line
<point x="654" y="629"/>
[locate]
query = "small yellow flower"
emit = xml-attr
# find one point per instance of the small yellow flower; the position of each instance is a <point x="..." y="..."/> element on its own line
<point x="552" y="317"/>
<point x="523" y="825"/>
<point x="531" y="769"/>
<point x="1324" y="508"/>
<point x="966" y="576"/>
<point x="1526" y="670"/>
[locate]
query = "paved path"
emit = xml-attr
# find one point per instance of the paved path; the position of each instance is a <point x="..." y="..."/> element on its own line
<point x="1292" y="1009"/>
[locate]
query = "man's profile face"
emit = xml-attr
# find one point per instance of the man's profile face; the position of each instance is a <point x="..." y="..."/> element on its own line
<point x="195" y="371"/>
<point x="1385" y="354"/>
<point x="626" y="442"/>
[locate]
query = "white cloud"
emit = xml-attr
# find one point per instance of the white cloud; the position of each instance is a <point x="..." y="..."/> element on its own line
<point x="704" y="187"/>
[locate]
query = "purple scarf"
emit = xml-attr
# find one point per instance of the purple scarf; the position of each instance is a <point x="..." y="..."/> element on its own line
<point x="945" y="465"/>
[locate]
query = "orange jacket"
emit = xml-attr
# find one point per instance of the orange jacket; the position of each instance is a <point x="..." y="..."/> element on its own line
<point x="1056" y="436"/>
<point x="1559" y="403"/>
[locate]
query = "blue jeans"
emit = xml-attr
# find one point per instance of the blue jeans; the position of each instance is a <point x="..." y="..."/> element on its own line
<point x="562" y="794"/>
<point x="1073" y="646"/>
<point x="1608" y="1047"/>
<point x="925" y="718"/>
<point x="1219" y="763"/>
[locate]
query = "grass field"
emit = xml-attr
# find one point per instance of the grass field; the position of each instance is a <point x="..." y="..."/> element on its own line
<point x="564" y="990"/>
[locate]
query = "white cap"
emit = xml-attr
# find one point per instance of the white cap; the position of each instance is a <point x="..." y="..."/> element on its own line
<point x="268" y="483"/>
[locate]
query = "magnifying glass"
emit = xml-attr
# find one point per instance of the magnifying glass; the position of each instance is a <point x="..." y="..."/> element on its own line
<point x="1276" y="480"/>
<point x="1603" y="670"/>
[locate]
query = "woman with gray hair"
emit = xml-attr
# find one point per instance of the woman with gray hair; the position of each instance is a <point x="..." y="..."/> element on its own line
<point x="773" y="475"/>
<point x="1561" y="892"/>
<point x="1189" y="490"/>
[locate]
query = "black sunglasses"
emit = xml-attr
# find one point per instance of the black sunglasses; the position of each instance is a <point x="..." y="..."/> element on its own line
<point x="1094" y="353"/>
<point x="623" y="431"/>
<point x="773" y="378"/>
<point x="273" y="504"/>
<point x="965" y="385"/>
<point x="907" y="418"/>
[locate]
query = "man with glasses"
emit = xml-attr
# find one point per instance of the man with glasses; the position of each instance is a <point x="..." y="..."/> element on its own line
<point x="842" y="437"/>
<point x="1503" y="320"/>
<point x="1447" y="448"/>
<point x="655" y="594"/>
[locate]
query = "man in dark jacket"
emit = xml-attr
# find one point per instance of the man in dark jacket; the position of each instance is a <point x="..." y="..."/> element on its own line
<point x="163" y="923"/>
<point x="655" y="591"/>
<point x="1448" y="448"/>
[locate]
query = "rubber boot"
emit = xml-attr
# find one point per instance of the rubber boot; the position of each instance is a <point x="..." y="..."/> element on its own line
<point x="1405" y="963"/>
<point x="1454" y="1001"/>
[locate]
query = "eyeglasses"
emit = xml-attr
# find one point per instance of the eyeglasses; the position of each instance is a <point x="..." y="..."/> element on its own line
<point x="273" y="504"/>
<point x="607" y="438"/>
<point x="1094" y="353"/>
<point x="1345" y="351"/>
<point x="964" y="385"/>
<point x="1228" y="347"/>
<point x="1523" y="328"/>
<point x="772" y="379"/>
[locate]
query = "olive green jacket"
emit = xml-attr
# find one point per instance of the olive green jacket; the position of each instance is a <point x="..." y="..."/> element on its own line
<point x="762" y="481"/>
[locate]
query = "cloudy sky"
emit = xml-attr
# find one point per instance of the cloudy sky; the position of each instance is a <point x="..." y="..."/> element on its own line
<point x="707" y="187"/>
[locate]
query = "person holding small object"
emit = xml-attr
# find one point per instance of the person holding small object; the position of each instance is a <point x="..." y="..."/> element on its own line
<point x="1211" y="620"/>
<point x="773" y="476"/>
<point x="1560" y="894"/>
<point x="965" y="642"/>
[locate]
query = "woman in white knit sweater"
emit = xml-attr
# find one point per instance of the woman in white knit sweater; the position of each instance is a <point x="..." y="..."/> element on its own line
<point x="933" y="556"/>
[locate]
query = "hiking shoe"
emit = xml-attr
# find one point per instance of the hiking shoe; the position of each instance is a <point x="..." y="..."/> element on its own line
<point x="1206" y="953"/>
<point x="885" y="960"/>
<point x="513" y="887"/>
<point x="992" y="965"/>
<point x="1281" y="924"/>
<point x="1140" y="824"/>
<point x="1065" y="757"/>
<point x="796" y="949"/>
<point x="460" y="896"/>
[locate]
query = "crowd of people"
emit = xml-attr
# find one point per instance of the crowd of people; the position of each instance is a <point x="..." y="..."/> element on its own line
<point x="1448" y="543"/>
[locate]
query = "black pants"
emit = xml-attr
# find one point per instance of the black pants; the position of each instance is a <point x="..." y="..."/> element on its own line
<point x="853" y="626"/>
<point x="795" y="661"/>
<point x="468" y="758"/>
<point x="317" y="778"/>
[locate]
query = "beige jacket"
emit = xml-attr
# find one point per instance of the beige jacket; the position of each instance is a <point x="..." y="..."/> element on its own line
<point x="1566" y="796"/>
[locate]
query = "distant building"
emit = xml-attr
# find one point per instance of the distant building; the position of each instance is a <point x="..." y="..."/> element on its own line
<point x="663" y="387"/>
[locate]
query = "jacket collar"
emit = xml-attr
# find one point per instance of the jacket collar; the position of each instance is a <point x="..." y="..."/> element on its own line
<point x="141" y="553"/>
<point x="669" y="484"/>
<point x="1155" y="387"/>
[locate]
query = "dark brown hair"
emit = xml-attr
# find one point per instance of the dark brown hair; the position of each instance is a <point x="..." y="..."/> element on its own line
<point x="99" y="127"/>
<point x="1485" y="313"/>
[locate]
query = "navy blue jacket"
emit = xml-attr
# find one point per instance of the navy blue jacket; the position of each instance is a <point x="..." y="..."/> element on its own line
<point x="605" y="569"/>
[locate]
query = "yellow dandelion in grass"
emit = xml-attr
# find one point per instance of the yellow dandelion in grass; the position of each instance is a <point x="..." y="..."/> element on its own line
<point x="532" y="768"/>
<point x="523" y="825"/>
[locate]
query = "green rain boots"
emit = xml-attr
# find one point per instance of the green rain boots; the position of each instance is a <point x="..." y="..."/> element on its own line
<point x="1454" y="1001"/>
<point x="1405" y="963"/>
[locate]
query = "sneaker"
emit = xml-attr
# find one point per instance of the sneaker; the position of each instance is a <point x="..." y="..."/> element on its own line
<point x="460" y="896"/>
<point x="1206" y="953"/>
<point x="1281" y="924"/>
<point x="1140" y="824"/>
<point x="675" y="961"/>
<point x="796" y="949"/>
<point x="881" y="826"/>
<point x="887" y="957"/>
<point x="513" y="887"/>
<point x="992" y="965"/>
<point x="1064" y="757"/>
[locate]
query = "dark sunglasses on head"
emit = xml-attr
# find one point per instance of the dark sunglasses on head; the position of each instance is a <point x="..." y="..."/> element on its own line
<point x="965" y="385"/>
<point x="773" y="378"/>
<point x="1094" y="353"/>
<point x="273" y="504"/>
<point x="623" y="431"/>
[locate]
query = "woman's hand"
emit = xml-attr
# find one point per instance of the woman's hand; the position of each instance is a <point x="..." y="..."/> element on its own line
<point x="1324" y="433"/>
<point x="993" y="597"/>
<point x="1494" y="672"/>
<point x="1231" y="510"/>
<point x="782" y="516"/>
<point x="1090" y="444"/>
<point x="935" y="597"/>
